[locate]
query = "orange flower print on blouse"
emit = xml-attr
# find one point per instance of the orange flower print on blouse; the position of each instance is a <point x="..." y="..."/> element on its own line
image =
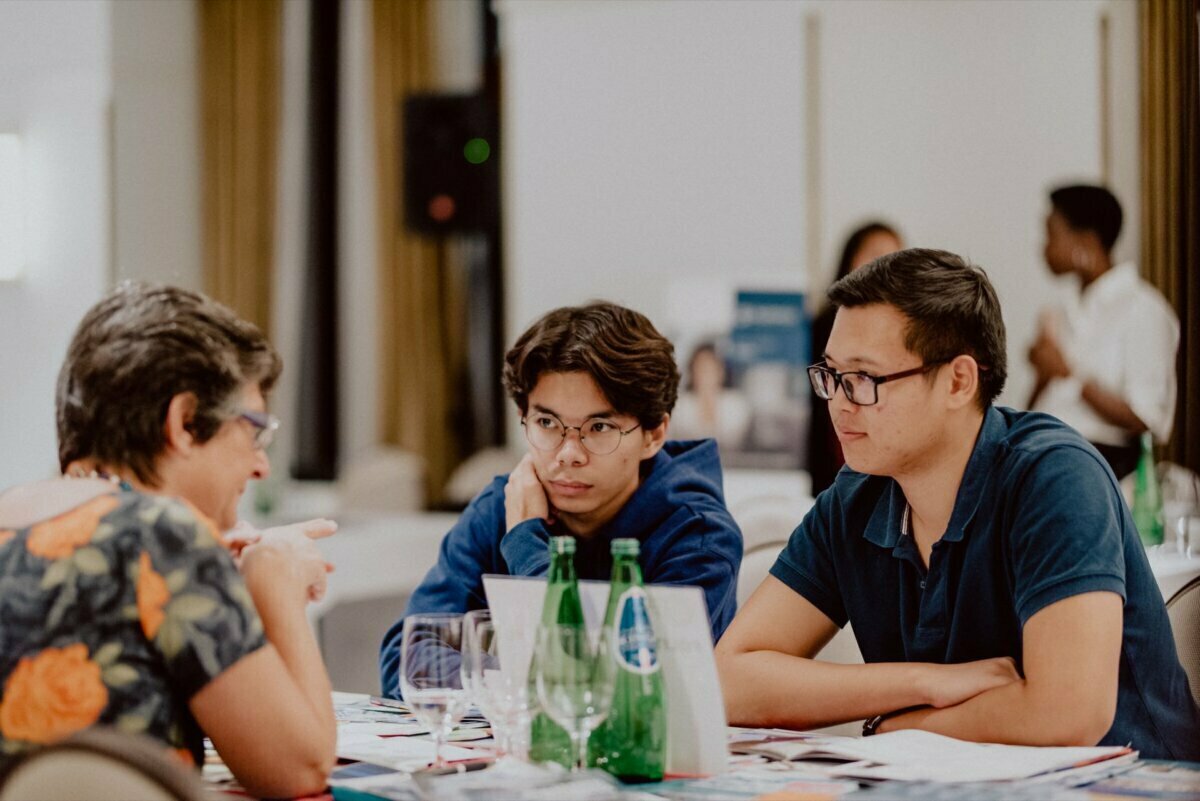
<point x="182" y="755"/>
<point x="61" y="536"/>
<point x="152" y="596"/>
<point x="51" y="695"/>
<point x="5" y="536"/>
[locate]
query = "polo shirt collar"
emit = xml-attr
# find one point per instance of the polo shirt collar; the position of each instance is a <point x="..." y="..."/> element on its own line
<point x="883" y="527"/>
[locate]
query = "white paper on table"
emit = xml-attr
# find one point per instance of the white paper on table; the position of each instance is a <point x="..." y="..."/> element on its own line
<point x="914" y="755"/>
<point x="350" y="699"/>
<point x="404" y="729"/>
<point x="400" y="753"/>
<point x="787" y="750"/>
<point x="695" y="709"/>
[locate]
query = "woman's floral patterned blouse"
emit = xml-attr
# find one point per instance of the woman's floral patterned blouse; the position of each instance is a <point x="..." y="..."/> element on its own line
<point x="117" y="612"/>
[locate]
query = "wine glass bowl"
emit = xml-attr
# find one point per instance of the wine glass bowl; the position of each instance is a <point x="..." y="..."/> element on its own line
<point x="497" y="681"/>
<point x="1181" y="503"/>
<point x="431" y="675"/>
<point x="574" y="677"/>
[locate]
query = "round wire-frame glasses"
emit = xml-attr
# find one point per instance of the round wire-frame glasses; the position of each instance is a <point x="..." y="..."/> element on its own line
<point x="599" y="436"/>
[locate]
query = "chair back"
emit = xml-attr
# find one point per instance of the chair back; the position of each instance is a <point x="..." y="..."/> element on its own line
<point x="101" y="765"/>
<point x="756" y="564"/>
<point x="476" y="472"/>
<point x="767" y="506"/>
<point x="382" y="480"/>
<point x="1184" y="612"/>
<point x="767" y="519"/>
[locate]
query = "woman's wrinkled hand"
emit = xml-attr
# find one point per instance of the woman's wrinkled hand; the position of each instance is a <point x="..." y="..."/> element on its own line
<point x="287" y="552"/>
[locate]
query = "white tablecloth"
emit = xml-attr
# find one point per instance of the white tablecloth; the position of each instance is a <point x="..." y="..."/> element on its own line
<point x="1172" y="569"/>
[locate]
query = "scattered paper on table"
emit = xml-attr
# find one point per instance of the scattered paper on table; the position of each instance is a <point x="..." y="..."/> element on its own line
<point x="401" y="753"/>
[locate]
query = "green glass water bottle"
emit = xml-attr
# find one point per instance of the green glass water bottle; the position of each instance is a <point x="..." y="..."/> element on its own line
<point x="631" y="743"/>
<point x="1147" y="496"/>
<point x="549" y="742"/>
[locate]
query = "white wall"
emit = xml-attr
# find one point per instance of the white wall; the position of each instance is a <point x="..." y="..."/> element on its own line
<point x="156" y="141"/>
<point x="458" y="36"/>
<point x="54" y="90"/>
<point x="291" y="225"/>
<point x="358" y="239"/>
<point x="457" y="32"/>
<point x="953" y="120"/>
<point x="648" y="143"/>
<point x="1123" y="114"/>
<point x="127" y="205"/>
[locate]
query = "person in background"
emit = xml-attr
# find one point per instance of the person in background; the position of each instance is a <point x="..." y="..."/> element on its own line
<point x="595" y="386"/>
<point x="708" y="407"/>
<point x="992" y="572"/>
<point x="122" y="605"/>
<point x="1105" y="362"/>
<point x="865" y="244"/>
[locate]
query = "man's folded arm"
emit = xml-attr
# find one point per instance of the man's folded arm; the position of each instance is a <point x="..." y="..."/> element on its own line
<point x="1072" y="651"/>
<point x="770" y="678"/>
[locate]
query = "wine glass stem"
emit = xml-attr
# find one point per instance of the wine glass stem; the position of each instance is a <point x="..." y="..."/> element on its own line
<point x="501" y="733"/>
<point x="579" y="740"/>
<point x="518" y="736"/>
<point x="439" y="737"/>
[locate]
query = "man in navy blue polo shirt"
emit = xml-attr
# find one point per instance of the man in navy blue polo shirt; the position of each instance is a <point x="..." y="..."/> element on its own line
<point x="990" y="568"/>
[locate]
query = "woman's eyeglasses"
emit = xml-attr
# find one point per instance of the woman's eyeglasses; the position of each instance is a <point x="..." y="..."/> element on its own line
<point x="265" y="426"/>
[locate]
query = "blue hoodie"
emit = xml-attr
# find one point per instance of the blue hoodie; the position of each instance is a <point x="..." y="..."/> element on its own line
<point x="677" y="512"/>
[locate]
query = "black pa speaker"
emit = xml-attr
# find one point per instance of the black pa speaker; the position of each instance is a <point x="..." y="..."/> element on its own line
<point x="451" y="164"/>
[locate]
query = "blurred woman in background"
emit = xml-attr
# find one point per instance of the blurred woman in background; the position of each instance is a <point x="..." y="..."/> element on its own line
<point x="708" y="407"/>
<point x="866" y="244"/>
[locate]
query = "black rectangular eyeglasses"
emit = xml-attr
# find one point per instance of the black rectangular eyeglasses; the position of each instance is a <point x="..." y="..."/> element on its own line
<point x="862" y="389"/>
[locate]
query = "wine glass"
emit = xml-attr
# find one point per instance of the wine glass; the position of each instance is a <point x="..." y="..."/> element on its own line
<point x="1181" y="501"/>
<point x="430" y="674"/>
<point x="574" y="675"/>
<point x="496" y="675"/>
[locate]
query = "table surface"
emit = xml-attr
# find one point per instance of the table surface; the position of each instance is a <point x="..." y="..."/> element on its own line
<point x="1172" y="570"/>
<point x="753" y="777"/>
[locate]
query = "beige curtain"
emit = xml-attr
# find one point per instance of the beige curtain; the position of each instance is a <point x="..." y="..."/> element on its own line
<point x="239" y="80"/>
<point x="1170" y="192"/>
<point x="418" y="348"/>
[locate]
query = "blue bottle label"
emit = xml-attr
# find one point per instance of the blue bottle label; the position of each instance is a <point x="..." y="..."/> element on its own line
<point x="636" y="646"/>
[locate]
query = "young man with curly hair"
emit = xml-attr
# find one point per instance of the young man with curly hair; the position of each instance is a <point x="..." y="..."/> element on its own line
<point x="595" y="386"/>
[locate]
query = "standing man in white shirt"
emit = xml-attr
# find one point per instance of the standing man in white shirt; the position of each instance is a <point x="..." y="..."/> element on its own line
<point x="1106" y="361"/>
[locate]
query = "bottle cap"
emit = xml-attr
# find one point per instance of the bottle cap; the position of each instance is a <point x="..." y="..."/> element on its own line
<point x="562" y="545"/>
<point x="625" y="546"/>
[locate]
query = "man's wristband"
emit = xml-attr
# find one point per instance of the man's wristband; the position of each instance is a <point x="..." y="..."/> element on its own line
<point x="871" y="725"/>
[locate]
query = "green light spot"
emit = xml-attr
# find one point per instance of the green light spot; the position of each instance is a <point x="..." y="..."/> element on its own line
<point x="477" y="150"/>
